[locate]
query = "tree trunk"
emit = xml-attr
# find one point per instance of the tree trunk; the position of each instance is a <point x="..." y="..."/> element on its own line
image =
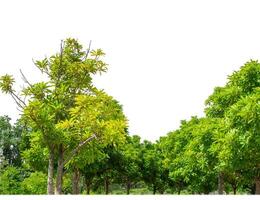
<point x="50" y="184"/>
<point x="257" y="185"/>
<point x="75" y="181"/>
<point x="234" y="190"/>
<point x="106" y="185"/>
<point x="154" y="189"/>
<point x="60" y="170"/>
<point x="87" y="185"/>
<point x="161" y="191"/>
<point x="179" y="186"/>
<point x="252" y="189"/>
<point x="221" y="183"/>
<point x="128" y="187"/>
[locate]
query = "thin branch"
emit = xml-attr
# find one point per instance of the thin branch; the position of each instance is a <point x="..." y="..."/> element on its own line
<point x="61" y="56"/>
<point x="17" y="99"/>
<point x="76" y="150"/>
<point x="25" y="79"/>
<point x="19" y="109"/>
<point x="88" y="50"/>
<point x="57" y="84"/>
<point x="42" y="70"/>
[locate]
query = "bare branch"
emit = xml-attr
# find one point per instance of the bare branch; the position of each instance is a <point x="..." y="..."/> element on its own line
<point x="19" y="109"/>
<point x="76" y="150"/>
<point x="88" y="50"/>
<point x="61" y="53"/>
<point x="25" y="79"/>
<point x="18" y="100"/>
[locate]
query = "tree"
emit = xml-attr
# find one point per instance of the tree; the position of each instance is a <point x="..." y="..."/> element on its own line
<point x="237" y="104"/>
<point x="49" y="103"/>
<point x="129" y="171"/>
<point x="99" y="114"/>
<point x="10" y="137"/>
<point x="200" y="161"/>
<point x="152" y="170"/>
<point x="174" y="158"/>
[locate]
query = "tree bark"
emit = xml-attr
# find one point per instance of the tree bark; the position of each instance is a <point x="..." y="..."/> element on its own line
<point x="161" y="191"/>
<point x="106" y="185"/>
<point x="234" y="190"/>
<point x="257" y="185"/>
<point x="221" y="183"/>
<point x="75" y="181"/>
<point x="87" y="185"/>
<point x="128" y="187"/>
<point x="59" y="178"/>
<point x="154" y="189"/>
<point x="77" y="149"/>
<point x="252" y="189"/>
<point x="50" y="183"/>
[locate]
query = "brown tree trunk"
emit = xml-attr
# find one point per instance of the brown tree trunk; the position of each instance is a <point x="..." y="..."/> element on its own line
<point x="257" y="185"/>
<point x="252" y="189"/>
<point x="154" y="189"/>
<point x="106" y="182"/>
<point x="60" y="170"/>
<point x="221" y="183"/>
<point x="128" y="187"/>
<point x="161" y="191"/>
<point x="234" y="190"/>
<point x="234" y="186"/>
<point x="87" y="185"/>
<point x="75" y="181"/>
<point x="50" y="184"/>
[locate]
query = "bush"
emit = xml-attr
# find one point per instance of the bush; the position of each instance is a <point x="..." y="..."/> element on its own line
<point x="10" y="181"/>
<point x="36" y="183"/>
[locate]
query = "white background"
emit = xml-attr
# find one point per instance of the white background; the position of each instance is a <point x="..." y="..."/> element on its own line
<point x="165" y="57"/>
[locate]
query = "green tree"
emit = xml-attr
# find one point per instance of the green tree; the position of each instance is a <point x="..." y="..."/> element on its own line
<point x="175" y="153"/>
<point x="242" y="89"/>
<point x="153" y="173"/>
<point x="130" y="172"/>
<point x="10" y="138"/>
<point x="99" y="114"/>
<point x="49" y="104"/>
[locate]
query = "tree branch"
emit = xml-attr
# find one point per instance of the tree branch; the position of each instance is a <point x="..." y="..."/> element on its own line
<point x="61" y="57"/>
<point x="19" y="105"/>
<point x="88" y="50"/>
<point x="76" y="150"/>
<point x="42" y="70"/>
<point x="25" y="79"/>
<point x="18" y="100"/>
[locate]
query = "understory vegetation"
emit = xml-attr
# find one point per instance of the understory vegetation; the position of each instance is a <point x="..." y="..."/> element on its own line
<point x="72" y="138"/>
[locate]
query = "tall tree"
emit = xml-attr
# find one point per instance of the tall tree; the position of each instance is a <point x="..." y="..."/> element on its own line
<point x="237" y="103"/>
<point x="49" y="103"/>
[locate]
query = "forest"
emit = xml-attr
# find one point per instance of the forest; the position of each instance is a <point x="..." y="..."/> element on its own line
<point x="72" y="138"/>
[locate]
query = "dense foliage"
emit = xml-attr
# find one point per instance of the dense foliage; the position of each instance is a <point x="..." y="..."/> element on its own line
<point x="73" y="138"/>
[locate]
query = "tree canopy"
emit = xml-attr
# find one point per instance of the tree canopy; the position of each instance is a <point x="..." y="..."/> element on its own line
<point x="73" y="137"/>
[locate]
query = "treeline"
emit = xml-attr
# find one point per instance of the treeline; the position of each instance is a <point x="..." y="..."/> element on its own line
<point x="73" y="138"/>
<point x="131" y="165"/>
